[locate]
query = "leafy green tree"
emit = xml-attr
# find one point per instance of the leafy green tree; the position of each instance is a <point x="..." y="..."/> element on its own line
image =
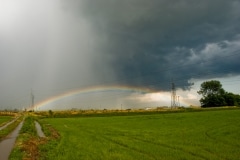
<point x="213" y="94"/>
<point x="230" y="99"/>
<point x="237" y="100"/>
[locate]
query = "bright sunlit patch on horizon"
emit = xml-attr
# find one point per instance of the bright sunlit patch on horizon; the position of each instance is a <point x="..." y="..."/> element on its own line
<point x="160" y="98"/>
<point x="188" y="97"/>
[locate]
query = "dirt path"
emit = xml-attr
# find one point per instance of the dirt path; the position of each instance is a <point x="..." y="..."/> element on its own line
<point x="7" y="144"/>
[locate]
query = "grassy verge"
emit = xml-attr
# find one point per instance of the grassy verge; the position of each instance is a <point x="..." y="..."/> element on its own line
<point x="186" y="135"/>
<point x="53" y="140"/>
<point x="28" y="143"/>
<point x="5" y="119"/>
<point x="4" y="132"/>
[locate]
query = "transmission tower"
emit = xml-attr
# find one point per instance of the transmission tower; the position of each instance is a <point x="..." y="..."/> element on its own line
<point x="173" y="97"/>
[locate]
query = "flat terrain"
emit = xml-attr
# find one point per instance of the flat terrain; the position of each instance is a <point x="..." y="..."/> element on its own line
<point x="191" y="135"/>
<point x="4" y="119"/>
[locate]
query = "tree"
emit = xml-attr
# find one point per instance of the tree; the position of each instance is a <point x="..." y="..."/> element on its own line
<point x="232" y="99"/>
<point x="213" y="94"/>
<point x="237" y="100"/>
<point x="50" y="112"/>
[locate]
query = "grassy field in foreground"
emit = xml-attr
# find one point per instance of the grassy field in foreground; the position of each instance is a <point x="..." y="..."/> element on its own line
<point x="4" y="119"/>
<point x="191" y="135"/>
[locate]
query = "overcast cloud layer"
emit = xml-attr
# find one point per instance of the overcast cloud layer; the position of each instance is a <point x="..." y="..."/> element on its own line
<point x="148" y="41"/>
<point x="58" y="45"/>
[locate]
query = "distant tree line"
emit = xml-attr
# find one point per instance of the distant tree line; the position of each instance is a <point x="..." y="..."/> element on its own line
<point x="213" y="95"/>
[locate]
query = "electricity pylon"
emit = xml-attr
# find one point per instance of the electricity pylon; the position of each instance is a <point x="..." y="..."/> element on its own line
<point x="173" y="97"/>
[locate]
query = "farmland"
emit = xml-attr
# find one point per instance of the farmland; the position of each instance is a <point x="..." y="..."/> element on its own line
<point x="4" y="119"/>
<point x="5" y="130"/>
<point x="185" y="135"/>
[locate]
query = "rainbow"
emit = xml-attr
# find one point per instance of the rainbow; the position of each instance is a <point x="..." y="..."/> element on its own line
<point x="92" y="90"/>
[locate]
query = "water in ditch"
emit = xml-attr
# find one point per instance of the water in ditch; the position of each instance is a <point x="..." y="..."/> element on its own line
<point x="39" y="129"/>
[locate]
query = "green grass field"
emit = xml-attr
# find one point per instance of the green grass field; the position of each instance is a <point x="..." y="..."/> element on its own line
<point x="191" y="135"/>
<point x="4" y="119"/>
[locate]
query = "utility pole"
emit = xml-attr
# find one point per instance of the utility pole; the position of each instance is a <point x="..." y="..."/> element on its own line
<point x="173" y="97"/>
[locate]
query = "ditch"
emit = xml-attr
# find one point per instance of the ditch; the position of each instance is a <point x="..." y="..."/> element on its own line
<point x="7" y="144"/>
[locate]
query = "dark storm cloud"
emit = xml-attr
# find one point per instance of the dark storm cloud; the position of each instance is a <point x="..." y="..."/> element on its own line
<point x="56" y="46"/>
<point x="151" y="42"/>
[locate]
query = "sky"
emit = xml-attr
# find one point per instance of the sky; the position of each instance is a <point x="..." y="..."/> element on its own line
<point x="115" y="54"/>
